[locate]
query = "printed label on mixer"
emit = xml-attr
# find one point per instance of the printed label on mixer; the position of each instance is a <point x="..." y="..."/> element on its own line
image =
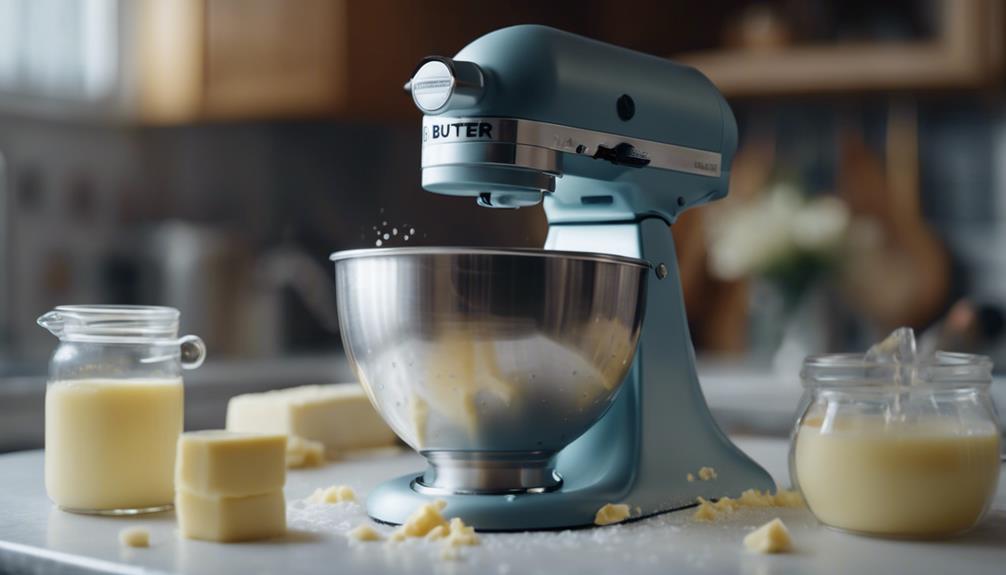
<point x="712" y="168"/>
<point x="458" y="131"/>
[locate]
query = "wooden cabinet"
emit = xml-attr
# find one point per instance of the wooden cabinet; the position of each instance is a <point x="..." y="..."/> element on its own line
<point x="209" y="59"/>
<point x="966" y="52"/>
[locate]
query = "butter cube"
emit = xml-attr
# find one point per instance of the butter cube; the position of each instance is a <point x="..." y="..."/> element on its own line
<point x="340" y="416"/>
<point x="230" y="519"/>
<point x="224" y="463"/>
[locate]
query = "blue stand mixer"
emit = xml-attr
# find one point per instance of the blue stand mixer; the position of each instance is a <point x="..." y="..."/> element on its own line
<point x="544" y="384"/>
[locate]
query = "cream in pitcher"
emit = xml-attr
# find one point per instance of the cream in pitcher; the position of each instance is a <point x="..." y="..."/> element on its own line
<point x="114" y="407"/>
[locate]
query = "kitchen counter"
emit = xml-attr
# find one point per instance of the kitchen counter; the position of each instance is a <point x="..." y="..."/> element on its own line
<point x="36" y="537"/>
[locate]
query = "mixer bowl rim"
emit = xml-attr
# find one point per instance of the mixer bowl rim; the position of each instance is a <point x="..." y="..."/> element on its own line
<point x="459" y="251"/>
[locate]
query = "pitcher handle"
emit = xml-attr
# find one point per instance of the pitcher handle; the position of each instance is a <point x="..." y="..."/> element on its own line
<point x="193" y="351"/>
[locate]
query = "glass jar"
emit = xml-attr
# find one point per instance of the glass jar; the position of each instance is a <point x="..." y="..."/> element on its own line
<point x="897" y="450"/>
<point x="114" y="407"/>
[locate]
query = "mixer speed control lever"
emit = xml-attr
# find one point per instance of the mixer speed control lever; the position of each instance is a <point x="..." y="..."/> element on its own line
<point x="623" y="155"/>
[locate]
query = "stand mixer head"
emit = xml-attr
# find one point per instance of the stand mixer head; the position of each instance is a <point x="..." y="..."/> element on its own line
<point x="600" y="133"/>
<point x="615" y="144"/>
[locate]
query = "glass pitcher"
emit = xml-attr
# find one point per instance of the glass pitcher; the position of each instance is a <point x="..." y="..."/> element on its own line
<point x="114" y="407"/>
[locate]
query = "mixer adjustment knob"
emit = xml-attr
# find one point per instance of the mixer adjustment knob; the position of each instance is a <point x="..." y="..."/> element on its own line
<point x="440" y="84"/>
<point x="623" y="154"/>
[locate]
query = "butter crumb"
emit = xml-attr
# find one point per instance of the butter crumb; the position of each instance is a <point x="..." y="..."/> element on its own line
<point x="611" y="513"/>
<point x="786" y="498"/>
<point x="690" y="477"/>
<point x="134" y="537"/>
<point x="707" y="473"/>
<point x="706" y="511"/>
<point x="423" y="520"/>
<point x="755" y="498"/>
<point x="773" y="537"/>
<point x="302" y="452"/>
<point x="438" y="532"/>
<point x="709" y="511"/>
<point x="364" y="532"/>
<point x="727" y="505"/>
<point x="457" y="534"/>
<point x="428" y="523"/>
<point x="461" y="534"/>
<point x="333" y="494"/>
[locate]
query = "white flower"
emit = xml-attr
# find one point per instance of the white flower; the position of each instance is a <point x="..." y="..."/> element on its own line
<point x="754" y="236"/>
<point x="820" y="225"/>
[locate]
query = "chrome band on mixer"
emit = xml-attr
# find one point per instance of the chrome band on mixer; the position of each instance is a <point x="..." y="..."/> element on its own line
<point x="438" y="130"/>
<point x="490" y="473"/>
<point x="467" y="153"/>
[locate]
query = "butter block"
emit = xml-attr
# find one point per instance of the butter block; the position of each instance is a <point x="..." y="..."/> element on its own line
<point x="230" y="519"/>
<point x="340" y="416"/>
<point x="773" y="537"/>
<point x="230" y="464"/>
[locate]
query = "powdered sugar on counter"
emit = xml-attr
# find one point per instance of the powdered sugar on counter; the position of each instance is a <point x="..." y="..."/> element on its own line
<point x="632" y="545"/>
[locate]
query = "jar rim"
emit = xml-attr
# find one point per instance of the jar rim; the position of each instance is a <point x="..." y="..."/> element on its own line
<point x="853" y="369"/>
<point x="112" y="323"/>
<point x="149" y="312"/>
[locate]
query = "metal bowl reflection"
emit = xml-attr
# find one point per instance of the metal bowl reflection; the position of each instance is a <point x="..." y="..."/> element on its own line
<point x="481" y="357"/>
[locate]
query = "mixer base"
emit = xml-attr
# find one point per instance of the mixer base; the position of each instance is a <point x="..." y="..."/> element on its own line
<point x="394" y="501"/>
<point x="575" y="503"/>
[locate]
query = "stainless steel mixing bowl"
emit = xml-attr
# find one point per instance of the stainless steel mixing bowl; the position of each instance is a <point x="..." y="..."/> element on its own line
<point x="487" y="361"/>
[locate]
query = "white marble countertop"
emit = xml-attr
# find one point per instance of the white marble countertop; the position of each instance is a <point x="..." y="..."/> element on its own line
<point x="36" y="537"/>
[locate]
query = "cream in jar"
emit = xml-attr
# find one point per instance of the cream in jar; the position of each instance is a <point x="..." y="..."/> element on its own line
<point x="110" y="444"/>
<point x="895" y="445"/>
<point x="923" y="478"/>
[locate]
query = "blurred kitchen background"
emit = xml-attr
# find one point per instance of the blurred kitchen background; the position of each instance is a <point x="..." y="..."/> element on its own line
<point x="210" y="154"/>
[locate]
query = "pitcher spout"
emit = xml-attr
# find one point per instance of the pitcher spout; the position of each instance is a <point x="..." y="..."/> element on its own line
<point x="52" y="321"/>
